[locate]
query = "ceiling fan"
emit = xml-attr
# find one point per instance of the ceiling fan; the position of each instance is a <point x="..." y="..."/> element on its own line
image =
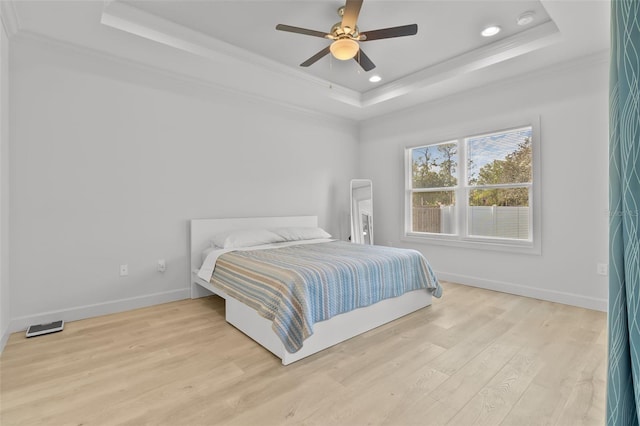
<point x="346" y="35"/>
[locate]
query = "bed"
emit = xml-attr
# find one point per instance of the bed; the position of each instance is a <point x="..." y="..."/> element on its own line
<point x="244" y="315"/>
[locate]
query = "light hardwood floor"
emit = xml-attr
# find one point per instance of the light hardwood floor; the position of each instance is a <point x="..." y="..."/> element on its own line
<point x="473" y="357"/>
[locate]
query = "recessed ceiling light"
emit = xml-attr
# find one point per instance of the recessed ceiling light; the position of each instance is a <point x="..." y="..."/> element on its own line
<point x="375" y="78"/>
<point x="490" y="31"/>
<point x="526" y="18"/>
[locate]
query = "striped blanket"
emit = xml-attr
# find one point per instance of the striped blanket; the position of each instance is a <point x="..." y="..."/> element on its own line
<point x="297" y="286"/>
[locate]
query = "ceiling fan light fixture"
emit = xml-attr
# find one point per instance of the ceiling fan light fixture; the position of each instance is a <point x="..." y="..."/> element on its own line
<point x="490" y="31"/>
<point x="346" y="36"/>
<point x="344" y="49"/>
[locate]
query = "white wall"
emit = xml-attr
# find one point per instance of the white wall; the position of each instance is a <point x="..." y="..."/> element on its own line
<point x="572" y="102"/>
<point x="111" y="160"/>
<point x="5" y="314"/>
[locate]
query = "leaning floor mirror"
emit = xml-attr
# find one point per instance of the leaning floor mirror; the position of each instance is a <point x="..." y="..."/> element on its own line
<point x="362" y="211"/>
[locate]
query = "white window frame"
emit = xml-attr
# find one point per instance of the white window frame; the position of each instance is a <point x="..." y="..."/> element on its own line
<point x="461" y="191"/>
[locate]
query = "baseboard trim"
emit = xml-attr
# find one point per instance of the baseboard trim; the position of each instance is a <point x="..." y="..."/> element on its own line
<point x="4" y="338"/>
<point x="527" y="291"/>
<point x="98" y="309"/>
<point x="122" y="305"/>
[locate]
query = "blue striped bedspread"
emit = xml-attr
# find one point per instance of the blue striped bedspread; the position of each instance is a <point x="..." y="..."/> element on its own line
<point x="298" y="286"/>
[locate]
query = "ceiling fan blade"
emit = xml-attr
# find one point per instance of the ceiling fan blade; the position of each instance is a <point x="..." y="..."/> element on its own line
<point x="405" y="30"/>
<point x="351" y="12"/>
<point x="364" y="61"/>
<point x="315" y="57"/>
<point x="289" y="28"/>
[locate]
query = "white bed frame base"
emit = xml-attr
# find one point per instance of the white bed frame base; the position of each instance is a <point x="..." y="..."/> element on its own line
<point x="326" y="333"/>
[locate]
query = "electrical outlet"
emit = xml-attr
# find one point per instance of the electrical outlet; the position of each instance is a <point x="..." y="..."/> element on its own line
<point x="162" y="265"/>
<point x="124" y="270"/>
<point x="602" y="269"/>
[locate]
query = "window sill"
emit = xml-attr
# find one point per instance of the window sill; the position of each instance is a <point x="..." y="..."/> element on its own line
<point x="521" y="247"/>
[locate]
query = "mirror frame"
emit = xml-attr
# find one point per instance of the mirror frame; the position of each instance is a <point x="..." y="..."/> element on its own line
<point x="358" y="228"/>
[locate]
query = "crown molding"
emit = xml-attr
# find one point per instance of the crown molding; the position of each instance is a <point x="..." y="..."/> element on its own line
<point x="143" y="24"/>
<point x="569" y="67"/>
<point x="146" y="68"/>
<point x="9" y="17"/>
<point x="123" y="31"/>
<point x="519" y="44"/>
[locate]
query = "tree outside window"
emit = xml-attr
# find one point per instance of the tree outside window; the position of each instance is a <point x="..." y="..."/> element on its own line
<point x="495" y="184"/>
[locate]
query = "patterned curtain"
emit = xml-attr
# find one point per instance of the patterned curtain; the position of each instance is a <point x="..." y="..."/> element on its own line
<point x="623" y="381"/>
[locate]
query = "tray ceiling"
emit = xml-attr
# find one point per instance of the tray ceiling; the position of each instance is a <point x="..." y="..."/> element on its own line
<point x="234" y="44"/>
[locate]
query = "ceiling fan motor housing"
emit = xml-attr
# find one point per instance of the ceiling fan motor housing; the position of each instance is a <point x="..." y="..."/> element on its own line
<point x="346" y="36"/>
<point x="338" y="32"/>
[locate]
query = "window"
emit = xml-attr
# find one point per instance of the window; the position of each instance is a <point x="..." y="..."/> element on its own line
<point x="433" y="193"/>
<point x="475" y="191"/>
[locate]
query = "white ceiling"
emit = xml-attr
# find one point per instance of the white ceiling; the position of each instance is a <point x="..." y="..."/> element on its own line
<point x="234" y="44"/>
<point x="251" y="26"/>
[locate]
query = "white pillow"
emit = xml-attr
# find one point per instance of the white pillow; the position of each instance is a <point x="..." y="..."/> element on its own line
<point x="206" y="252"/>
<point x="245" y="238"/>
<point x="297" y="233"/>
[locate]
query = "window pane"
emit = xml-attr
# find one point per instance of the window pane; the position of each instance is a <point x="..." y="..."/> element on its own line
<point x="500" y="158"/>
<point x="501" y="213"/>
<point x="433" y="212"/>
<point x="515" y="197"/>
<point x="434" y="166"/>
